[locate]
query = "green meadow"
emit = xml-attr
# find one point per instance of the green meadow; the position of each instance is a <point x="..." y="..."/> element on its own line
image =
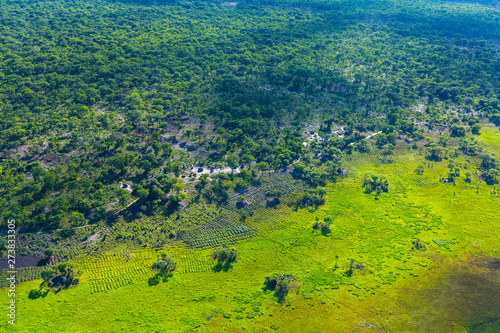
<point x="422" y="257"/>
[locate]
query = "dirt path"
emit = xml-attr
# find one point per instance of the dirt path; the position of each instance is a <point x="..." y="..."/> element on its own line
<point x="127" y="206"/>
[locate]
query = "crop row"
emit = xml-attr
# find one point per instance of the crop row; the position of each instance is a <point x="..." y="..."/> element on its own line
<point x="189" y="261"/>
<point x="256" y="195"/>
<point x="217" y="233"/>
<point x="23" y="274"/>
<point x="117" y="269"/>
<point x="269" y="221"/>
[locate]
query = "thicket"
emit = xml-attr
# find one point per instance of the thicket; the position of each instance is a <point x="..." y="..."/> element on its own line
<point x="164" y="268"/>
<point x="374" y="183"/>
<point x="60" y="277"/>
<point x="280" y="284"/>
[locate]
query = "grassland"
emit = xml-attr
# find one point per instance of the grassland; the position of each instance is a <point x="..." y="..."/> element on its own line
<point x="452" y="285"/>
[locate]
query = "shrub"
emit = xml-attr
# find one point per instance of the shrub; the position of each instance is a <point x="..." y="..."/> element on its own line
<point x="60" y="277"/>
<point x="165" y="265"/>
<point x="311" y="198"/>
<point x="225" y="255"/>
<point x="48" y="274"/>
<point x="49" y="252"/>
<point x="280" y="284"/>
<point x="325" y="226"/>
<point x="374" y="183"/>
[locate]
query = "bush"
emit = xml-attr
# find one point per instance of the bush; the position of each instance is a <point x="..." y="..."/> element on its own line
<point x="225" y="255"/>
<point x="60" y="277"/>
<point x="311" y="198"/>
<point x="280" y="284"/>
<point x="374" y="183"/>
<point x="166" y="265"/>
<point x="49" y="252"/>
<point x="325" y="226"/>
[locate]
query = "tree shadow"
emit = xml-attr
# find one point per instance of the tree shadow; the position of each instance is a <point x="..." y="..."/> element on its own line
<point x="34" y="294"/>
<point x="280" y="288"/>
<point x="222" y="267"/>
<point x="43" y="262"/>
<point x="325" y="230"/>
<point x="279" y="294"/>
<point x="153" y="281"/>
<point x="434" y="158"/>
<point x="158" y="277"/>
<point x="61" y="285"/>
<point x="274" y="202"/>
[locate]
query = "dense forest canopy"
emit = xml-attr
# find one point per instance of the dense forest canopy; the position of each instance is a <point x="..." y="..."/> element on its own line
<point x="88" y="90"/>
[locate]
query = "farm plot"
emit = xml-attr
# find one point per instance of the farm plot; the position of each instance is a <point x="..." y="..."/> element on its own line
<point x="270" y="182"/>
<point x="189" y="261"/>
<point x="118" y="268"/>
<point x="267" y="221"/>
<point x="352" y="163"/>
<point x="33" y="244"/>
<point x="217" y="233"/>
<point x="23" y="274"/>
<point x="196" y="215"/>
<point x="67" y="243"/>
<point x="228" y="230"/>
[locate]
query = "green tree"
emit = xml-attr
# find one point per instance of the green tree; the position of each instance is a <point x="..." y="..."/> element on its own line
<point x="225" y="255"/>
<point x="165" y="265"/>
<point x="232" y="161"/>
<point x="47" y="274"/>
<point x="476" y="129"/>
<point x="49" y="252"/>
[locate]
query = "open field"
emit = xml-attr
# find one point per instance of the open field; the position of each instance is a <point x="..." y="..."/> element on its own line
<point x="450" y="285"/>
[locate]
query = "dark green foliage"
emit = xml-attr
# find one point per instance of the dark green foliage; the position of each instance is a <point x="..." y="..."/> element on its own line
<point x="434" y="152"/>
<point x="475" y="129"/>
<point x="165" y="266"/>
<point x="3" y="245"/>
<point x="48" y="274"/>
<point x="457" y="130"/>
<point x="225" y="255"/>
<point x="491" y="176"/>
<point x="312" y="198"/>
<point x="488" y="162"/>
<point x="60" y="277"/>
<point x="49" y="252"/>
<point x="325" y="226"/>
<point x="374" y="183"/>
<point x="280" y="284"/>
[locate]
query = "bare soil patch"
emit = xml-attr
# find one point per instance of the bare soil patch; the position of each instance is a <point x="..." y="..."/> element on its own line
<point x="25" y="261"/>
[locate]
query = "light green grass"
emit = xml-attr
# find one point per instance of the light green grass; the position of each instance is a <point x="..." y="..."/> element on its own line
<point x="490" y="137"/>
<point x="445" y="288"/>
